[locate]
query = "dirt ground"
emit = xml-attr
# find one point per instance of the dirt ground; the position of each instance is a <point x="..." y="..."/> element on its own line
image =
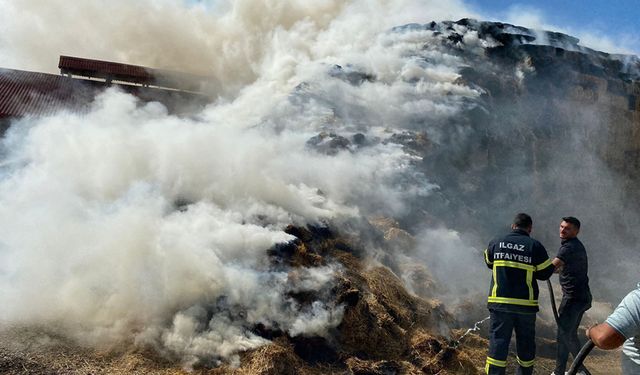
<point x="29" y="351"/>
<point x="36" y="351"/>
<point x="599" y="362"/>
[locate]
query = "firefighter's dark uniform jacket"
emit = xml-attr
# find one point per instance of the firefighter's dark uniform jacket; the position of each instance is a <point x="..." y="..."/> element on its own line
<point x="517" y="261"/>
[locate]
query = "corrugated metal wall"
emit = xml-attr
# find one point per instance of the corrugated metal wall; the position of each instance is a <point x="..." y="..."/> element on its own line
<point x="25" y="93"/>
<point x="28" y="93"/>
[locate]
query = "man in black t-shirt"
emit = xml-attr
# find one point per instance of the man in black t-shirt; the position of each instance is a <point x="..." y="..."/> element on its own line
<point x="572" y="264"/>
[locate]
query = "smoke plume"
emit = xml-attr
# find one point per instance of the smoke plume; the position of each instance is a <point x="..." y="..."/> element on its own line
<point x="131" y="225"/>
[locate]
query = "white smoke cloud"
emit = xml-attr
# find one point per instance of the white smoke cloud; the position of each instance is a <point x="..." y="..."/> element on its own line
<point x="91" y="233"/>
<point x="129" y="224"/>
<point x="234" y="42"/>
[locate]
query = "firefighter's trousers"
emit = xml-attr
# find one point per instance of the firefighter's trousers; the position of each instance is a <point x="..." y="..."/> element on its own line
<point x="502" y="324"/>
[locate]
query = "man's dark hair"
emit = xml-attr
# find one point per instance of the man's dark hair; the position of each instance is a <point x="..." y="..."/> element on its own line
<point x="572" y="220"/>
<point x="523" y="221"/>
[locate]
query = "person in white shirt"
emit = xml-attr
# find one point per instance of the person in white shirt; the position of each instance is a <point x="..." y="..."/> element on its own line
<point x="622" y="327"/>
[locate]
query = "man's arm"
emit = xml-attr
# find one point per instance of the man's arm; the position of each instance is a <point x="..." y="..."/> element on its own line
<point x="624" y="322"/>
<point x="605" y="337"/>
<point x="544" y="266"/>
<point x="544" y="270"/>
<point x="558" y="264"/>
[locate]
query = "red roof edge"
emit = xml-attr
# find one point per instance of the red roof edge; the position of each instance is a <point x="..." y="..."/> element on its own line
<point x="136" y="74"/>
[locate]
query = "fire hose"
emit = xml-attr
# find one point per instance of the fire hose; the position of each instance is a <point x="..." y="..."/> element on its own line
<point x="579" y="357"/>
<point x="577" y="361"/>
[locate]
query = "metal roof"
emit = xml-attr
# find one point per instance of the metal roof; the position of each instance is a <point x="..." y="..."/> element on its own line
<point x="25" y="93"/>
<point x="105" y="69"/>
<point x="113" y="71"/>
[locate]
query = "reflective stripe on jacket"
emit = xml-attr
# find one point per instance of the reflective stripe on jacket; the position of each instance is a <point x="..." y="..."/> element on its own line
<point x="517" y="261"/>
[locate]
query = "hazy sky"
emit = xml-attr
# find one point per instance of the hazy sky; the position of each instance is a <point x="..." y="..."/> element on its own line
<point x="604" y="23"/>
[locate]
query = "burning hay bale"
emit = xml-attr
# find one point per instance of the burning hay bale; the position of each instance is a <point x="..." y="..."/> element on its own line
<point x="329" y="144"/>
<point x="384" y="327"/>
<point x="277" y="358"/>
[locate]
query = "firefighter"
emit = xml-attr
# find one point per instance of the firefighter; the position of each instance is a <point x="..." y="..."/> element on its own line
<point x="517" y="261"/>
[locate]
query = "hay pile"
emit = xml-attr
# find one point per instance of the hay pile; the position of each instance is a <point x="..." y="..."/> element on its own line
<point x="384" y="330"/>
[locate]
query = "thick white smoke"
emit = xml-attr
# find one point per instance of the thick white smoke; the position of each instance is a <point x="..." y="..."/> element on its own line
<point x="127" y="224"/>
<point x="234" y="42"/>
<point x="91" y="232"/>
